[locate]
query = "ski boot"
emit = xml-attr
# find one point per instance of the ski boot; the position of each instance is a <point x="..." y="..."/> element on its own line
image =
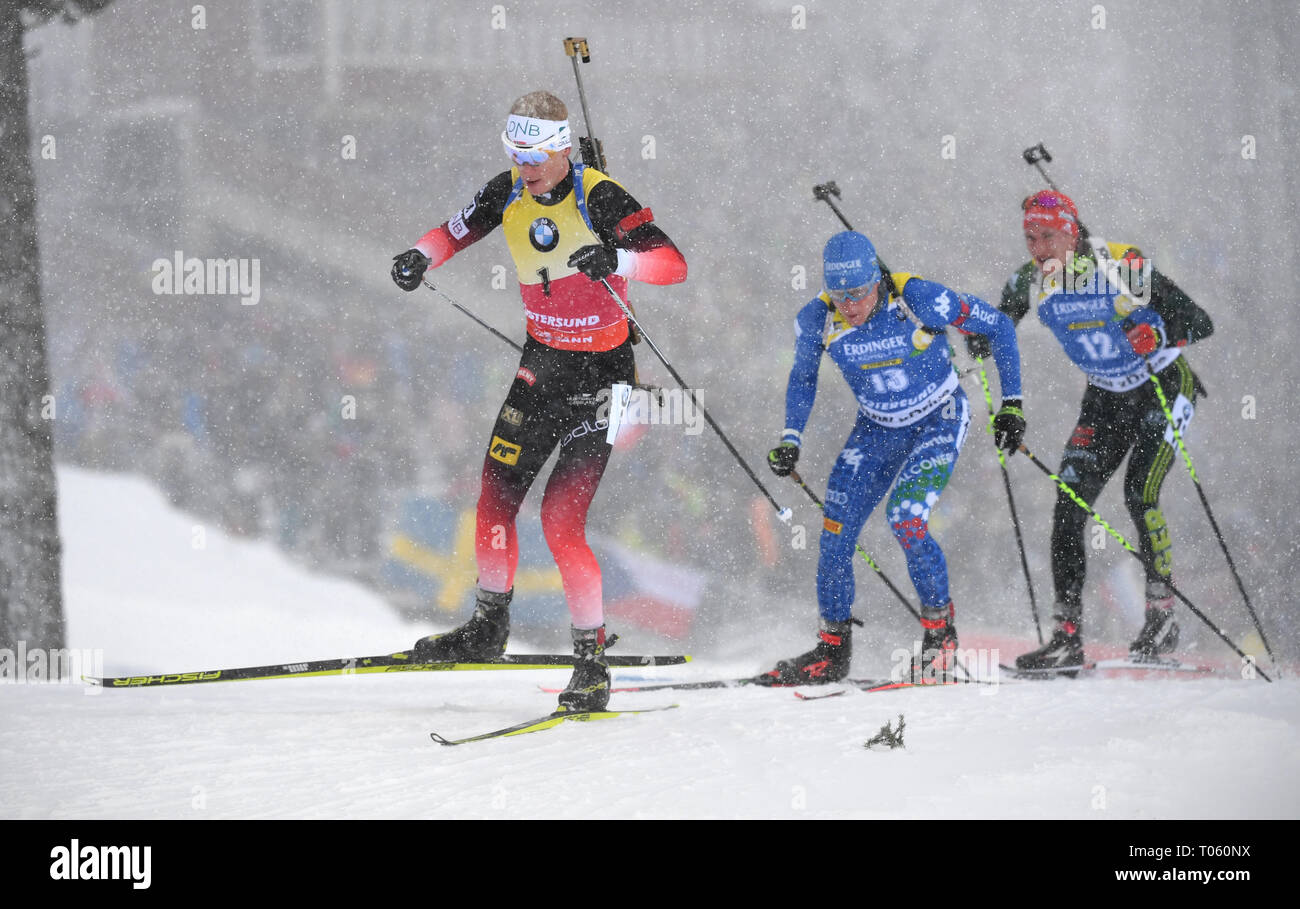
<point x="1064" y="650"/>
<point x="1159" y="633"/>
<point x="827" y="662"/>
<point x="937" y="659"/>
<point x="483" y="637"/>
<point x="588" y="688"/>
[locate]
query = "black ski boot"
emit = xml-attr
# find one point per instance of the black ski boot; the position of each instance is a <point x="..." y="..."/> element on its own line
<point x="827" y="662"/>
<point x="588" y="688"/>
<point x="483" y="637"/>
<point x="1065" y="649"/>
<point x="937" y="659"/>
<point x="1159" y="633"/>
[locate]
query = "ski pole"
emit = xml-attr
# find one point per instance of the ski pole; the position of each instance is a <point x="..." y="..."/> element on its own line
<point x="783" y="513"/>
<point x="1078" y="500"/>
<point x="794" y="475"/>
<point x="1196" y="481"/>
<point x="1205" y="502"/>
<point x="427" y="283"/>
<point x="1011" y="502"/>
<point x="653" y="389"/>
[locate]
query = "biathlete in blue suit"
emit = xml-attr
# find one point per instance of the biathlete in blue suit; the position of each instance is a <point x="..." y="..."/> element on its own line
<point x="888" y="339"/>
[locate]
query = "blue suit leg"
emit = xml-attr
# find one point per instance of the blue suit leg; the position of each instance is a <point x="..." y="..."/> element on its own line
<point x="858" y="482"/>
<point x="925" y="474"/>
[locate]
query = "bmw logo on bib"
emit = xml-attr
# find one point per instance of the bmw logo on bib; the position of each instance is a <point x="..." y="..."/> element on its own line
<point x="544" y="235"/>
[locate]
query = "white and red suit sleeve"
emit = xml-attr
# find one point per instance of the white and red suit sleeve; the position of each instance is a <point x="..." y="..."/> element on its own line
<point x="469" y="225"/>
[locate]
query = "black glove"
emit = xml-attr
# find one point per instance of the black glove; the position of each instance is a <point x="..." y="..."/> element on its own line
<point x="979" y="347"/>
<point x="595" y="261"/>
<point x="408" y="268"/>
<point x="783" y="458"/>
<point x="1009" y="426"/>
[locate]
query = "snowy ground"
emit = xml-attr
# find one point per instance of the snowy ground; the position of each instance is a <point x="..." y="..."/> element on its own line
<point x="358" y="747"/>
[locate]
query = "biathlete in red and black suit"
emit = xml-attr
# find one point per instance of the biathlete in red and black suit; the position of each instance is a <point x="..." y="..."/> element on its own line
<point x="571" y="230"/>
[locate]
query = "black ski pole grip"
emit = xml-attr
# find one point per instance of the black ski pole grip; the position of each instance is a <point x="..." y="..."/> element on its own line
<point x="1036" y="153"/>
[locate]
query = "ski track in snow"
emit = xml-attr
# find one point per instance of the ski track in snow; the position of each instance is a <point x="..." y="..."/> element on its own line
<point x="359" y="747"/>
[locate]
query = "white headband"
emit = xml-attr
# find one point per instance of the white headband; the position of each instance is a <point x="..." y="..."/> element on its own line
<point x="533" y="133"/>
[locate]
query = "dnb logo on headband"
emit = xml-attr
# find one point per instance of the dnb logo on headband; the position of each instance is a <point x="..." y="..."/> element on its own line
<point x="544" y="235"/>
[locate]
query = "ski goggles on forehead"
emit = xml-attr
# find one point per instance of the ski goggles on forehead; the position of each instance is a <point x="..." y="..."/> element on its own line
<point x="1044" y="199"/>
<point x="851" y="294"/>
<point x="531" y="141"/>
